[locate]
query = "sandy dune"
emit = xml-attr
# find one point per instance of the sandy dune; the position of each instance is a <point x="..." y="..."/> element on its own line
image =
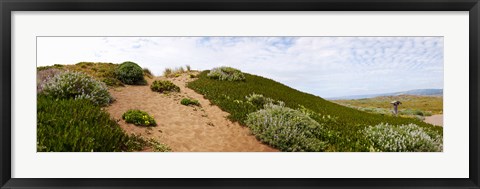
<point x="183" y="128"/>
<point x="435" y="120"/>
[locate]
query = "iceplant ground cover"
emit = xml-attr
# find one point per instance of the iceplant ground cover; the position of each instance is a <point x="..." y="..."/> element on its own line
<point x="343" y="129"/>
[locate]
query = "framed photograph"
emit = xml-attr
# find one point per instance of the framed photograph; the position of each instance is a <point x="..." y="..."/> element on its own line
<point x="239" y="94"/>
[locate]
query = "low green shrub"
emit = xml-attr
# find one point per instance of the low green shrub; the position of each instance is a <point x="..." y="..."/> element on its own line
<point x="112" y="82"/>
<point x="130" y="73"/>
<point x="158" y="147"/>
<point x="68" y="125"/>
<point x="137" y="143"/>
<point x="138" y="117"/>
<point x="403" y="138"/>
<point x="75" y="85"/>
<point x="260" y="101"/>
<point x="286" y="129"/>
<point x="226" y="74"/>
<point x="189" y="101"/>
<point x="164" y="86"/>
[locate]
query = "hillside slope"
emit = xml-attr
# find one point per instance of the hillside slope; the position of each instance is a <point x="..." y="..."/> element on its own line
<point x="345" y="126"/>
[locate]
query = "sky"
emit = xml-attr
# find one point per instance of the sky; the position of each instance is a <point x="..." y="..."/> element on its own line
<point x="324" y="66"/>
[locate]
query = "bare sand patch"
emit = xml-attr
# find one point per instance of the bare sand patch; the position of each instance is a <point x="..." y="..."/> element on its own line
<point x="435" y="120"/>
<point x="183" y="128"/>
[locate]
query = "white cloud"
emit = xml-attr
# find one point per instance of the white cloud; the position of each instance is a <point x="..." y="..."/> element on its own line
<point x="324" y="66"/>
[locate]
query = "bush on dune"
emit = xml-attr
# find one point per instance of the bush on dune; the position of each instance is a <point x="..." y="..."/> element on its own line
<point x="75" y="85"/>
<point x="130" y="73"/>
<point x="403" y="138"/>
<point x="226" y="74"/>
<point x="286" y="129"/>
<point x="259" y="101"/>
<point x="44" y="75"/>
<point x="138" y="117"/>
<point x="189" y="101"/>
<point x="162" y="86"/>
<point x="68" y="125"/>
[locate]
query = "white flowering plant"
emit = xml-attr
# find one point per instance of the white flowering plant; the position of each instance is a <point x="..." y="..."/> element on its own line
<point x="403" y="138"/>
<point x="226" y="74"/>
<point x="76" y="85"/>
<point x="44" y="75"/>
<point x="286" y="129"/>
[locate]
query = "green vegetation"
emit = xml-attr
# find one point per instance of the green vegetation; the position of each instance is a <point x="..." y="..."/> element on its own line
<point x="342" y="126"/>
<point x="68" y="125"/>
<point x="104" y="72"/>
<point x="57" y="66"/>
<point x="76" y="85"/>
<point x="411" y="105"/>
<point x="44" y="75"/>
<point x="130" y="73"/>
<point x="69" y="113"/>
<point x="259" y="101"/>
<point x="226" y="74"/>
<point x="189" y="101"/>
<point x="158" y="147"/>
<point x="286" y="129"/>
<point x="163" y="86"/>
<point x="138" y="117"/>
<point x="111" y="74"/>
<point x="402" y="138"/>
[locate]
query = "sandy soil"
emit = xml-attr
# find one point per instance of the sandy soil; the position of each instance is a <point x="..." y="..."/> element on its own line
<point x="183" y="128"/>
<point x="435" y="120"/>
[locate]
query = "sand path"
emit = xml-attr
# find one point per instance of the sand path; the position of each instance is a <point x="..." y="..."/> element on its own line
<point x="435" y="120"/>
<point x="183" y="128"/>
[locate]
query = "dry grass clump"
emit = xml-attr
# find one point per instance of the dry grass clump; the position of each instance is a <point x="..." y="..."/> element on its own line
<point x="176" y="72"/>
<point x="148" y="73"/>
<point x="104" y="72"/>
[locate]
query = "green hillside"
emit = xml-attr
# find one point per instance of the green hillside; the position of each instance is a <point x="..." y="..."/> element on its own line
<point x="343" y="127"/>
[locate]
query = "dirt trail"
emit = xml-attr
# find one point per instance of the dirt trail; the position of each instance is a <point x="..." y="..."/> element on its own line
<point x="183" y="128"/>
<point x="435" y="120"/>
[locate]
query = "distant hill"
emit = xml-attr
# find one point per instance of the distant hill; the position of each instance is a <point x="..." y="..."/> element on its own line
<point x="418" y="92"/>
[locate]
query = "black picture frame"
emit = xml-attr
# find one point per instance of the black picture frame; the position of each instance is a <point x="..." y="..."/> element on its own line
<point x="7" y="6"/>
